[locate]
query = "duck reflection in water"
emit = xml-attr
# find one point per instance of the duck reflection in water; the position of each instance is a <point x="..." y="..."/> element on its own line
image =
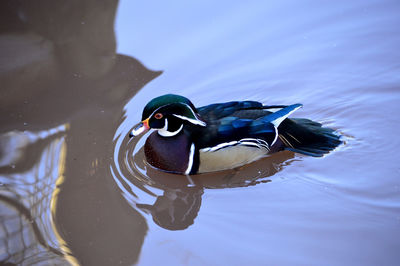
<point x="176" y="209"/>
<point x="180" y="202"/>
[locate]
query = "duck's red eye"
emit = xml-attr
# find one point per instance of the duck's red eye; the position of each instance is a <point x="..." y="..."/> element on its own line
<point x="158" y="115"/>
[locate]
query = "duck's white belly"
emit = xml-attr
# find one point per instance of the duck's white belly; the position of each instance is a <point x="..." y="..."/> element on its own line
<point x="229" y="157"/>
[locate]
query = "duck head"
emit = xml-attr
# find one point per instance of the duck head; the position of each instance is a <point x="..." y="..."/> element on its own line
<point x="168" y="114"/>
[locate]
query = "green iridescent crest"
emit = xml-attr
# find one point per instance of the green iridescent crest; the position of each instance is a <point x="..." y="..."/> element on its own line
<point x="175" y="105"/>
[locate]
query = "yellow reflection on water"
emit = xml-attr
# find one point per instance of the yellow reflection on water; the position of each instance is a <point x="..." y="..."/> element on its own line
<point x="53" y="203"/>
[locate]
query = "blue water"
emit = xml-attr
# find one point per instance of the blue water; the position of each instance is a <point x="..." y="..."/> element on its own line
<point x="341" y="60"/>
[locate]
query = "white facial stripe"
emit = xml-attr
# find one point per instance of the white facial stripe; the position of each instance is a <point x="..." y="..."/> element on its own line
<point x="191" y="156"/>
<point x="194" y="114"/>
<point x="164" y="131"/>
<point x="193" y="121"/>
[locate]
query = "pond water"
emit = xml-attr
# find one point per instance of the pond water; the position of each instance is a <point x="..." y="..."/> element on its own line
<point x="75" y="78"/>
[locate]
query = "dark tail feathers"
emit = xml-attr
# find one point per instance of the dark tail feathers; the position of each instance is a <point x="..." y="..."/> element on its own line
<point x="307" y="137"/>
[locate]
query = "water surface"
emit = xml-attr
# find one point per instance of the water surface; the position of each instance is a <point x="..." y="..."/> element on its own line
<point x="75" y="189"/>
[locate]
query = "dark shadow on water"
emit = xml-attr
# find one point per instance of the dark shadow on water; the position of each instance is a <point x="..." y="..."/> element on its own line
<point x="62" y="98"/>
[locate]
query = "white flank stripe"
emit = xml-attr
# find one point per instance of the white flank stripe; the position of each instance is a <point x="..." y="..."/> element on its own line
<point x="248" y="139"/>
<point x="190" y="163"/>
<point x="222" y="145"/>
<point x="259" y="143"/>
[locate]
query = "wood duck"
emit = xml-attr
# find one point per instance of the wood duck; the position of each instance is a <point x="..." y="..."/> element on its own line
<point x="190" y="140"/>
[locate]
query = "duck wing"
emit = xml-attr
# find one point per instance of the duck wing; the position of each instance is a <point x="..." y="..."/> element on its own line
<point x="237" y="120"/>
<point x="240" y="123"/>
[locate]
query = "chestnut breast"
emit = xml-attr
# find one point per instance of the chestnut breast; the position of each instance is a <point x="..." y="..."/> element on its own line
<point x="168" y="153"/>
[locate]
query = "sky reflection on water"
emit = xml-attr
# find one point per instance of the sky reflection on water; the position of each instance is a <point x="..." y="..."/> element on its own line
<point x="340" y="60"/>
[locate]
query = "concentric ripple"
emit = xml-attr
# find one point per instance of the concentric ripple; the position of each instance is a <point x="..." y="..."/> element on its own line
<point x="174" y="200"/>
